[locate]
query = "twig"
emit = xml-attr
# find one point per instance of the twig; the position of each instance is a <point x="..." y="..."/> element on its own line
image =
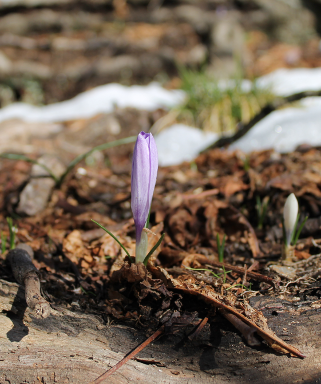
<point x="27" y="274"/>
<point x="128" y="357"/>
<point x="245" y="275"/>
<point x="246" y="330"/>
<point x="271" y="107"/>
<point x="269" y="337"/>
<point x="199" y="328"/>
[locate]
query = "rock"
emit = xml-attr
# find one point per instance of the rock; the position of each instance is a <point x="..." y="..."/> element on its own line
<point x="290" y="22"/>
<point x="31" y="68"/>
<point x="284" y="271"/>
<point x="227" y="46"/>
<point x="31" y="3"/>
<point x="35" y="195"/>
<point x="5" y="64"/>
<point x="227" y="35"/>
<point x="194" y="16"/>
<point x="18" y="136"/>
<point x="197" y="55"/>
<point x="114" y="66"/>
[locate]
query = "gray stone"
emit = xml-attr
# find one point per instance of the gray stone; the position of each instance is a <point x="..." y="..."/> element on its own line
<point x="35" y="195"/>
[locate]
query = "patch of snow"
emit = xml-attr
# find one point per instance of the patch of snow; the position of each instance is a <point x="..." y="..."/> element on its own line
<point x="180" y="143"/>
<point x="102" y="99"/>
<point x="284" y="130"/>
<point x="286" y="82"/>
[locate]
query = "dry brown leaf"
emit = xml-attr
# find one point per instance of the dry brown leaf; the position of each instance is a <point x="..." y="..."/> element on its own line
<point x="74" y="248"/>
<point x="189" y="284"/>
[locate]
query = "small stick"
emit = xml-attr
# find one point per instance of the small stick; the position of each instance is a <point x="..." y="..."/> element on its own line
<point x="199" y="328"/>
<point x="245" y="275"/>
<point x="246" y="330"/>
<point x="128" y="357"/>
<point x="27" y="274"/>
<point x="269" y="336"/>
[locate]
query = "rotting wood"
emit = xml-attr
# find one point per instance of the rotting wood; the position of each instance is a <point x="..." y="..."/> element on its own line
<point x="27" y="274"/>
<point x="205" y="294"/>
<point x="104" y="376"/>
<point x="47" y="352"/>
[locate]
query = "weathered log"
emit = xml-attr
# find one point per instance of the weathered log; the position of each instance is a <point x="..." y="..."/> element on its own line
<point x="73" y="347"/>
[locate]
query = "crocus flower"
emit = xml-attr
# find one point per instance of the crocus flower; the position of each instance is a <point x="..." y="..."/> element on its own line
<point x="290" y="214"/>
<point x="144" y="173"/>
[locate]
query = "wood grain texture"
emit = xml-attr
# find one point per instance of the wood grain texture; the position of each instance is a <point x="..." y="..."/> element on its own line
<point x="70" y="347"/>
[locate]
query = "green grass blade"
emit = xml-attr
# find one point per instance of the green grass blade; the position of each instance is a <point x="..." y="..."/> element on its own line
<point x="12" y="233"/>
<point x="115" y="238"/>
<point x="13" y="156"/>
<point x="204" y="269"/>
<point x="3" y="242"/>
<point x="126" y="140"/>
<point x="153" y="249"/>
<point x="294" y="230"/>
<point x="147" y="221"/>
<point x="299" y="230"/>
<point x="284" y="233"/>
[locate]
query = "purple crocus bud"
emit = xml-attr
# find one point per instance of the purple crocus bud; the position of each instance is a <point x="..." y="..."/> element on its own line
<point x="144" y="173"/>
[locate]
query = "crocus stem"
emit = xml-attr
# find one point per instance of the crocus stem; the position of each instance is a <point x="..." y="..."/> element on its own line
<point x="288" y="252"/>
<point x="141" y="247"/>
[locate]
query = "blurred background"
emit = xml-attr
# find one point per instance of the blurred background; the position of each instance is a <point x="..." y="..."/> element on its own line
<point x="51" y="50"/>
<point x="218" y="52"/>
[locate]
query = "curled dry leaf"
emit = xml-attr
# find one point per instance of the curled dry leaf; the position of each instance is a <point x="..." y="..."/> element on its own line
<point x="247" y="314"/>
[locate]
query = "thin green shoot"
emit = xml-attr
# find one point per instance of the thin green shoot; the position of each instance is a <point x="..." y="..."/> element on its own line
<point x="153" y="249"/>
<point x="212" y="104"/>
<point x="220" y="248"/>
<point x="126" y="140"/>
<point x="204" y="269"/>
<point x="87" y="292"/>
<point x="115" y="238"/>
<point x="193" y="166"/>
<point x="3" y="242"/>
<point x="74" y="162"/>
<point x="237" y="285"/>
<point x="147" y="221"/>
<point x="246" y="163"/>
<point x="261" y="209"/>
<point x="13" y="156"/>
<point x="297" y="234"/>
<point x="225" y="274"/>
<point x="12" y="232"/>
<point x="284" y="233"/>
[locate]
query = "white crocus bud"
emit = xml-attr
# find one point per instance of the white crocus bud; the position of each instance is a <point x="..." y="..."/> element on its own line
<point x="290" y="214"/>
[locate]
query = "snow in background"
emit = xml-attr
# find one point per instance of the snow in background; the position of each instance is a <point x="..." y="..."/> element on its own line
<point x="285" y="129"/>
<point x="285" y="82"/>
<point x="181" y="143"/>
<point x="102" y="99"/>
<point x="282" y="130"/>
